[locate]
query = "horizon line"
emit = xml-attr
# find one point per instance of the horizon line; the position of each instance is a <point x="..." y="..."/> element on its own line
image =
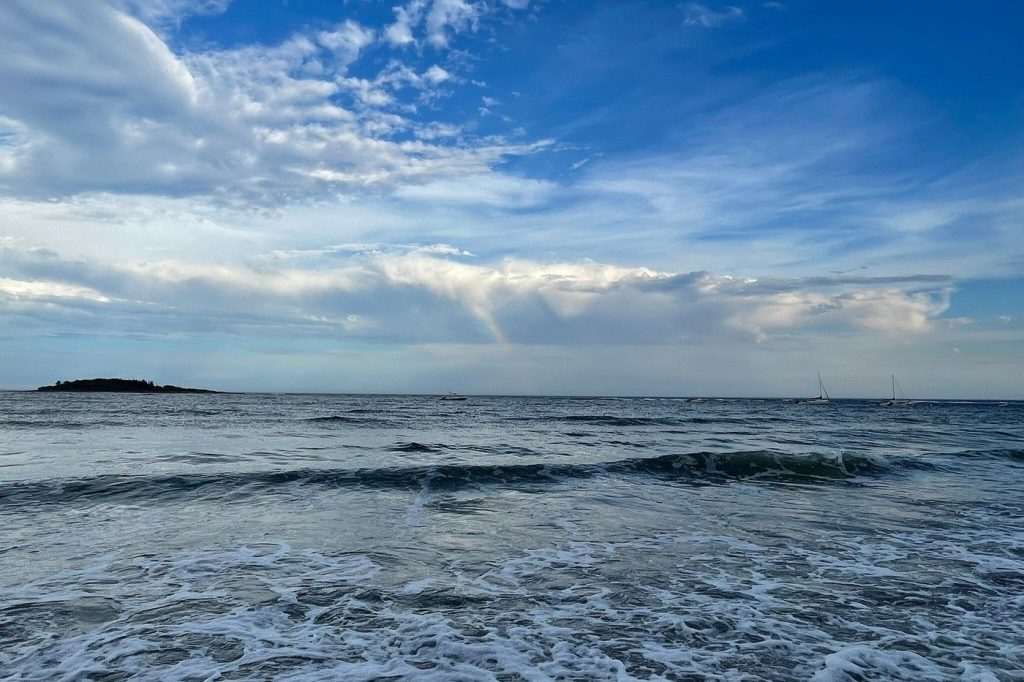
<point x="578" y="396"/>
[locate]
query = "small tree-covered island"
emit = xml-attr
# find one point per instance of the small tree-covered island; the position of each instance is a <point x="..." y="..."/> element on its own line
<point x="118" y="386"/>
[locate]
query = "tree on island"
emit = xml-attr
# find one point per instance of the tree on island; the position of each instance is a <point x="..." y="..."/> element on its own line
<point x="118" y="386"/>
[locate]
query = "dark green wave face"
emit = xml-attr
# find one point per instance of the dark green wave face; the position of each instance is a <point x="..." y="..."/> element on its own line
<point x="367" y="537"/>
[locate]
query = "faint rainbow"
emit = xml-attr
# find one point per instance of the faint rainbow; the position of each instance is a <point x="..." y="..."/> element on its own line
<point x="492" y="326"/>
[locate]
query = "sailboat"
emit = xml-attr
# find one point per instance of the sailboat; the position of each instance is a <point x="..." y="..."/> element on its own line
<point x="822" y="398"/>
<point x="894" y="401"/>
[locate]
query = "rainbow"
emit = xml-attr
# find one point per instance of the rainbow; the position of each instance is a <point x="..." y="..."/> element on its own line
<point x="491" y="324"/>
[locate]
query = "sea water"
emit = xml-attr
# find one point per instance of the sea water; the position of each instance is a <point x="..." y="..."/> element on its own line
<point x="347" y="537"/>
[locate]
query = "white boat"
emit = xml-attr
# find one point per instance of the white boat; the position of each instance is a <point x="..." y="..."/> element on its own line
<point x="452" y="396"/>
<point x="894" y="401"/>
<point x="822" y="398"/>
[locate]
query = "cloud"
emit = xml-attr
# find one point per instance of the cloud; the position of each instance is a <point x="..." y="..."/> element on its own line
<point x="419" y="294"/>
<point x="804" y="176"/>
<point x="435" y="74"/>
<point x="450" y="15"/>
<point x="697" y="14"/>
<point x="406" y="18"/>
<point x="165" y="13"/>
<point x="892" y="311"/>
<point x="439" y="20"/>
<point x="482" y="190"/>
<point x="258" y="125"/>
<point x="44" y="291"/>
<point x="346" y="41"/>
<point x="801" y="173"/>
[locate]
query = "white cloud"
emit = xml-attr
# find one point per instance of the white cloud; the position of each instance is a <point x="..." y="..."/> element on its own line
<point x="489" y="189"/>
<point x="697" y="14"/>
<point x="790" y="179"/>
<point x="439" y="19"/>
<point x="763" y="187"/>
<point x="406" y="19"/>
<point x="435" y="131"/>
<point x="164" y="12"/>
<point x="346" y="41"/>
<point x="891" y="311"/>
<point x="435" y="74"/>
<point x="418" y="294"/>
<point x="255" y="125"/>
<point x="43" y="290"/>
<point x="447" y="16"/>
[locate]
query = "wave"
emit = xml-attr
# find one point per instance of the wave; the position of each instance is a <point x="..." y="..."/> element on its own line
<point x="413" y="446"/>
<point x="58" y="423"/>
<point x="622" y="420"/>
<point x="694" y="467"/>
<point x="504" y="449"/>
<point x="342" y="419"/>
<point x="995" y="453"/>
<point x="727" y="420"/>
<point x="613" y="420"/>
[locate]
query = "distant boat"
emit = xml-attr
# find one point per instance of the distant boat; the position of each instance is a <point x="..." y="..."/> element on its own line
<point x="822" y="398"/>
<point x="894" y="401"/>
<point x="697" y="400"/>
<point x="452" y="396"/>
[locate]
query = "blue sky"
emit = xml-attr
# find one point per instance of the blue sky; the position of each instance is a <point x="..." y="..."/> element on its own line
<point x="514" y="196"/>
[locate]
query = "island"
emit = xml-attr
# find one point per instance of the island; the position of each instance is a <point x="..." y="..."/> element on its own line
<point x="117" y="386"/>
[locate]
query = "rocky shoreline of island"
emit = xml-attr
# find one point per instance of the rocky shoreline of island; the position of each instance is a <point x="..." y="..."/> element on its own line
<point x="117" y="386"/>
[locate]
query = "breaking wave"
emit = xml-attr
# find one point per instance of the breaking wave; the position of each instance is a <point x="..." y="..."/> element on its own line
<point x="694" y="467"/>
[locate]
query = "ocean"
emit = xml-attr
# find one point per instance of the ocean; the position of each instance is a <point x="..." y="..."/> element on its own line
<point x="362" y="537"/>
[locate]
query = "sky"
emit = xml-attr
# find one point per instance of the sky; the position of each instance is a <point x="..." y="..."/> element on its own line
<point x="514" y="196"/>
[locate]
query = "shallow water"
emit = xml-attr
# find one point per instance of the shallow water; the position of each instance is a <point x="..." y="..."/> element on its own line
<point x="366" y="537"/>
